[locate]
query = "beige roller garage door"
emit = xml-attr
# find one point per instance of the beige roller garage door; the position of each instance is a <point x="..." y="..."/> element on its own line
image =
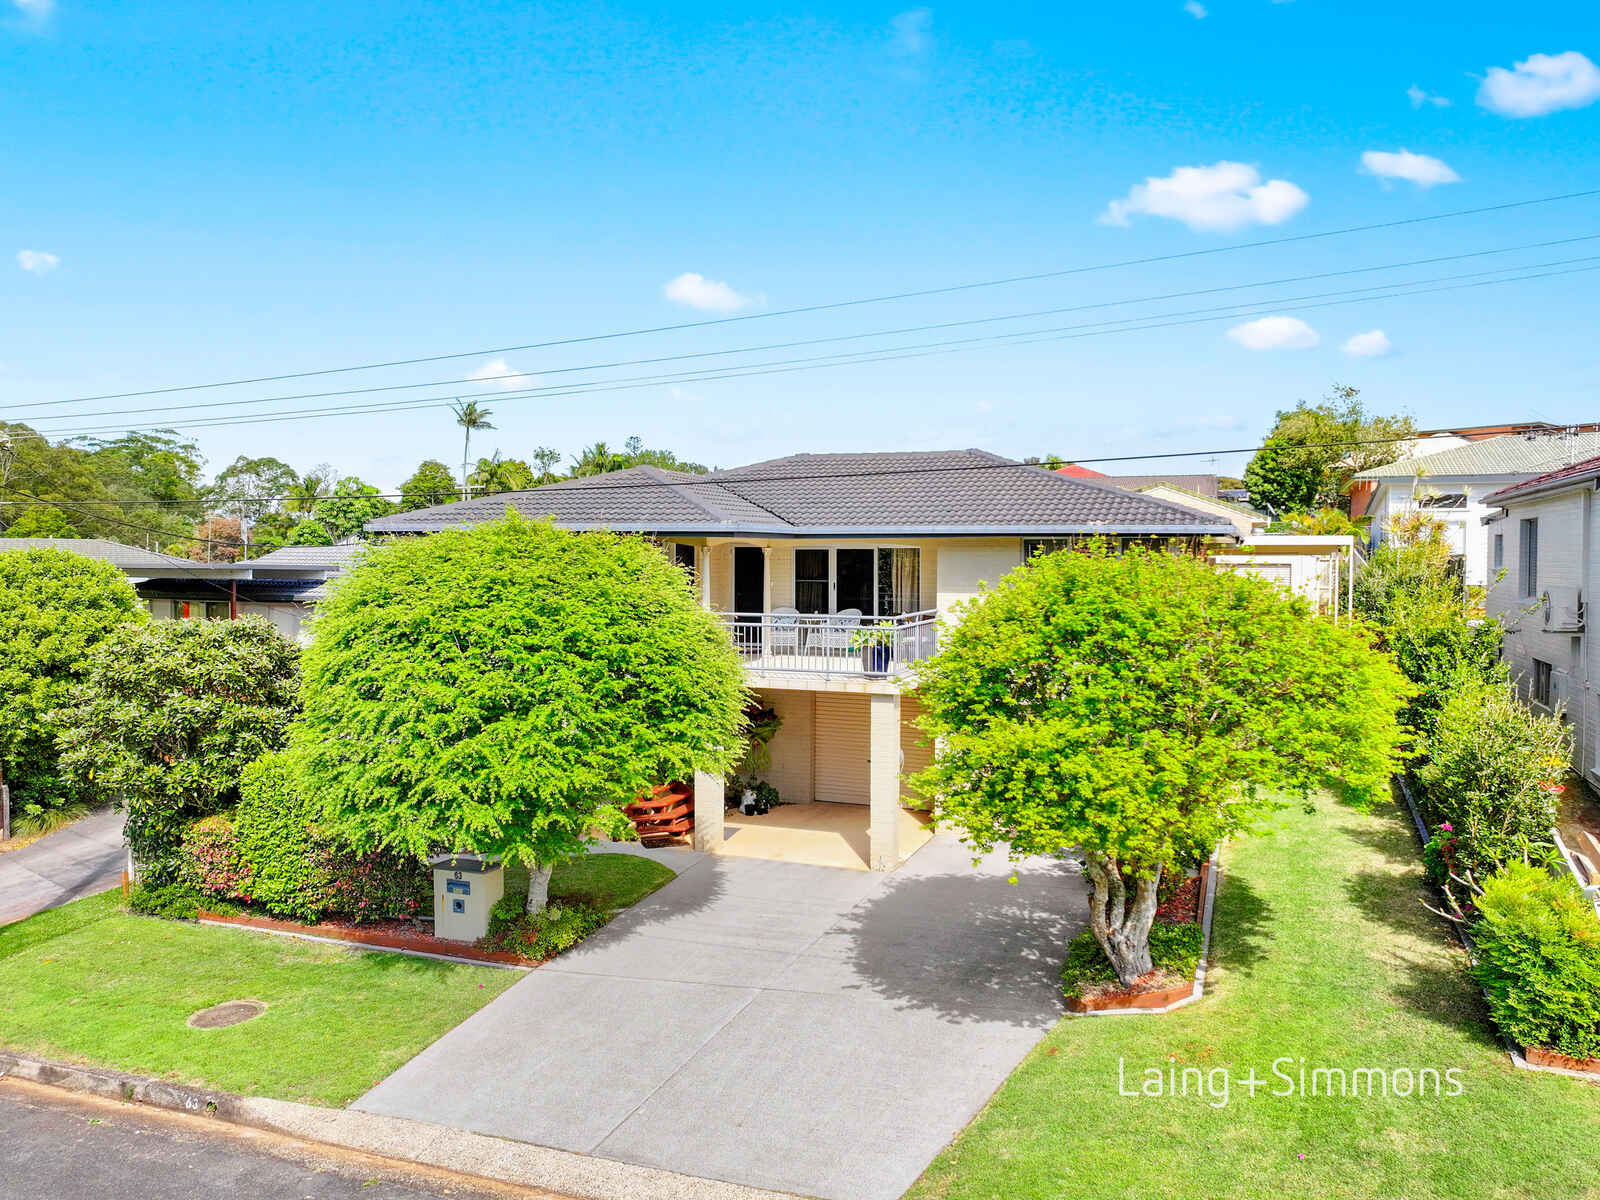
<point x="842" y="743"/>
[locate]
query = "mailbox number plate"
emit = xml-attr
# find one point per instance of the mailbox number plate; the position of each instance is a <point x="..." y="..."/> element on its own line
<point x="459" y="887"/>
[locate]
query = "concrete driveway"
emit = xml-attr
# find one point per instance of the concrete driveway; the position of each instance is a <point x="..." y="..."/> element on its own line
<point x="84" y="858"/>
<point x="797" y="1028"/>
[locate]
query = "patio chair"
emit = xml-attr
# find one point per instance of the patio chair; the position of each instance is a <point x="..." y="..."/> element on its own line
<point x="784" y="633"/>
<point x="838" y="632"/>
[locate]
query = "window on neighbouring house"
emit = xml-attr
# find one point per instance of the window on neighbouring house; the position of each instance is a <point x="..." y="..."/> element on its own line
<point x="1499" y="551"/>
<point x="1541" y="682"/>
<point x="1529" y="552"/>
<point x="1447" y="500"/>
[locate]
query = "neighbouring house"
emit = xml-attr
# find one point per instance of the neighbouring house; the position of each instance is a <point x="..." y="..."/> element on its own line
<point x="1246" y="521"/>
<point x="1541" y="536"/>
<point x="1453" y="486"/>
<point x="1319" y="567"/>
<point x="1197" y="485"/>
<point x="830" y="572"/>
<point x="282" y="586"/>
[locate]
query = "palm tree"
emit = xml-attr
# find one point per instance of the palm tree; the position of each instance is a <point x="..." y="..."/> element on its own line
<point x="304" y="494"/>
<point x="598" y="459"/>
<point x="469" y="416"/>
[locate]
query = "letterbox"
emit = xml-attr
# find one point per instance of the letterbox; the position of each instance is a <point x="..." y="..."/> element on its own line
<point x="465" y="888"/>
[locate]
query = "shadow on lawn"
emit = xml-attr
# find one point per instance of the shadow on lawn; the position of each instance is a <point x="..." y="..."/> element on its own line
<point x="1239" y="937"/>
<point x="970" y="946"/>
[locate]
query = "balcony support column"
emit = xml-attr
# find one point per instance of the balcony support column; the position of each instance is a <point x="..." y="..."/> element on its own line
<point x="883" y="781"/>
<point x="709" y="800"/>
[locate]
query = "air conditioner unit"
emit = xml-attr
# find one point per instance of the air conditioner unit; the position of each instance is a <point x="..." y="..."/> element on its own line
<point x="1563" y="609"/>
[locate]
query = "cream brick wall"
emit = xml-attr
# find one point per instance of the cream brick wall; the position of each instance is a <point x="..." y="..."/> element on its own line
<point x="965" y="563"/>
<point x="794" y="747"/>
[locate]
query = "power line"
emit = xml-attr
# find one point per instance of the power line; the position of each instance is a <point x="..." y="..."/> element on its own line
<point x="730" y="479"/>
<point x="803" y="342"/>
<point x="853" y="303"/>
<point x="890" y="354"/>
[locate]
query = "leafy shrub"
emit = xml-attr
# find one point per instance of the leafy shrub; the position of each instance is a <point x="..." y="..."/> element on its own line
<point x="289" y="874"/>
<point x="1539" y="960"/>
<point x="168" y="715"/>
<point x="212" y="862"/>
<point x="175" y="901"/>
<point x="1441" y="855"/>
<point x="301" y="871"/>
<point x="543" y="934"/>
<point x="1173" y="948"/>
<point x="1493" y="774"/>
<point x="54" y="607"/>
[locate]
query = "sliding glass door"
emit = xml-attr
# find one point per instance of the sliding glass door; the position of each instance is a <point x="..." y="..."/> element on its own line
<point x="880" y="581"/>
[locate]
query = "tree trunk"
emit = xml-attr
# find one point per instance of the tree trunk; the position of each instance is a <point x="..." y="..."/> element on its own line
<point x="538" y="888"/>
<point x="1122" y="929"/>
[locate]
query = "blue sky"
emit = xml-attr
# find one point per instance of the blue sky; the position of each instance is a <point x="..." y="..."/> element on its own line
<point x="214" y="191"/>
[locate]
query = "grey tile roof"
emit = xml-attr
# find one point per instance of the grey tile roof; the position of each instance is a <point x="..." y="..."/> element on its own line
<point x="1513" y="454"/>
<point x="309" y="557"/>
<point x="928" y="493"/>
<point x="133" y="559"/>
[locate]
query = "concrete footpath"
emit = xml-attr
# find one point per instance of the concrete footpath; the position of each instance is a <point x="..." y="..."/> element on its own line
<point x="84" y="858"/>
<point x="787" y="1027"/>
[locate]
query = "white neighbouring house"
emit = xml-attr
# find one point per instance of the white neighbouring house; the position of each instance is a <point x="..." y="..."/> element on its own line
<point x="830" y="573"/>
<point x="1454" y="487"/>
<point x="1541" y="533"/>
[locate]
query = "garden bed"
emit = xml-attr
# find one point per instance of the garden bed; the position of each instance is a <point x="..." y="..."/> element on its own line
<point x="394" y="934"/>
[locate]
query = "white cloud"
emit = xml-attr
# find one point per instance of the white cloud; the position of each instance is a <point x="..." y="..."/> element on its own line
<point x="35" y="10"/>
<point x="1420" y="169"/>
<point x="1275" y="333"/>
<point x="1540" y="84"/>
<point x="1372" y="344"/>
<point x="497" y="372"/>
<point x="1196" y="10"/>
<point x="1218" y="198"/>
<point x="709" y="295"/>
<point x="38" y="262"/>
<point x="1418" y="98"/>
<point x="911" y="33"/>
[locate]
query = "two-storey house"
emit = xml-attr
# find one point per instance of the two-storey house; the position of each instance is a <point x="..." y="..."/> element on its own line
<point x="831" y="572"/>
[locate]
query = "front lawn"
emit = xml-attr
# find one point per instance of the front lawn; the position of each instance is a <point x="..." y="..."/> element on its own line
<point x="89" y="982"/>
<point x="1323" y="953"/>
<point x="606" y="881"/>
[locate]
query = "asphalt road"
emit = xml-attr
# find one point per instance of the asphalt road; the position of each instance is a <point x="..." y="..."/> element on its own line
<point x="63" y="1147"/>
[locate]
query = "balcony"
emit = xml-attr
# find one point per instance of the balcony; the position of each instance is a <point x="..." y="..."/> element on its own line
<point x="837" y="644"/>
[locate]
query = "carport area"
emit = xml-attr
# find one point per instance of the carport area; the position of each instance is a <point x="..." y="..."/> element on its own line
<point x="791" y="1027"/>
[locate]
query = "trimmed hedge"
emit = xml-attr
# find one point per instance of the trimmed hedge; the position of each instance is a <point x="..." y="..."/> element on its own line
<point x="270" y="853"/>
<point x="1539" y="960"/>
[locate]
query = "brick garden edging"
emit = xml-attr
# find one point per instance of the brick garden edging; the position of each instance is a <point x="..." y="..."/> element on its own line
<point x="1154" y="1003"/>
<point x="420" y="944"/>
<point x="1524" y="1058"/>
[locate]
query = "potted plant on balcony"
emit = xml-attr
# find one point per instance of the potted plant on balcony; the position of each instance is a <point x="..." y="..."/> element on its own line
<point x="877" y="649"/>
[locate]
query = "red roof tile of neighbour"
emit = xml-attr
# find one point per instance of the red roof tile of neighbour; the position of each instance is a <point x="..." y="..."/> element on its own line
<point x="1074" y="471"/>
<point x="1578" y="470"/>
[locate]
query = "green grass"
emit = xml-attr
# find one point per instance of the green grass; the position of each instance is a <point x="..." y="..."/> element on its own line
<point x="91" y="983"/>
<point x="607" y="881"/>
<point x="1323" y="952"/>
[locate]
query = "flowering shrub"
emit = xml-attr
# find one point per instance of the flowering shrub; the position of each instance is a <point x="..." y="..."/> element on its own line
<point x="370" y="887"/>
<point x="1440" y="856"/>
<point x="212" y="863"/>
<point x="543" y="934"/>
<point x="1493" y="774"/>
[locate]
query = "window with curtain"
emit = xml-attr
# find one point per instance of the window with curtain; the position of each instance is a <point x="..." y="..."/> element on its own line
<point x="899" y="580"/>
<point x="811" y="580"/>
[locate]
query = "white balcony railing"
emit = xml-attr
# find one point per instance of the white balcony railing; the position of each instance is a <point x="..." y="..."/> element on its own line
<point x="831" y="644"/>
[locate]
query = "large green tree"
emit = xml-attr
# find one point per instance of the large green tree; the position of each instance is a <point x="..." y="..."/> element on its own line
<point x="431" y="483"/>
<point x="55" y="607"/>
<point x="1313" y="451"/>
<point x="506" y="690"/>
<point x="167" y="716"/>
<point x="1137" y="710"/>
<point x="250" y="488"/>
<point x="346" y="509"/>
<point x="494" y="475"/>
